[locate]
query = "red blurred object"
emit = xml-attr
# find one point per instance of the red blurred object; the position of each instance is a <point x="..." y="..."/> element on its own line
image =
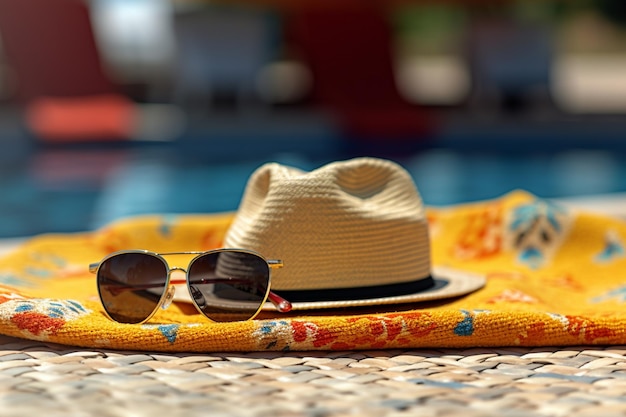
<point x="349" y="51"/>
<point x="61" y="81"/>
<point x="51" y="46"/>
<point x="73" y="119"/>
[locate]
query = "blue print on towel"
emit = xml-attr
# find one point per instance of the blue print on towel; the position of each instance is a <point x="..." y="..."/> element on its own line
<point x="15" y="281"/>
<point x="613" y="248"/>
<point x="618" y="294"/>
<point x="271" y="331"/>
<point x="56" y="309"/>
<point x="50" y="259"/>
<point x="39" y="272"/>
<point x="22" y="308"/>
<point x="535" y="228"/>
<point x="165" y="228"/>
<point x="532" y="257"/>
<point x="466" y="326"/>
<point x="170" y="331"/>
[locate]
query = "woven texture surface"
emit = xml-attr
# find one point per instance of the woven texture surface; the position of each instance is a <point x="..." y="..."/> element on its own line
<point x="554" y="278"/>
<point x="54" y="380"/>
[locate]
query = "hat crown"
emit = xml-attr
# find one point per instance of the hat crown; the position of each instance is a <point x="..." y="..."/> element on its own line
<point x="348" y="224"/>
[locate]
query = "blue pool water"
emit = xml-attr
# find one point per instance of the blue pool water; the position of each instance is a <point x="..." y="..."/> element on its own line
<point x="62" y="191"/>
<point x="68" y="189"/>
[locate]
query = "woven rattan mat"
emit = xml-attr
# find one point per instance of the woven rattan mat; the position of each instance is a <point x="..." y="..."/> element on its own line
<point x="53" y="380"/>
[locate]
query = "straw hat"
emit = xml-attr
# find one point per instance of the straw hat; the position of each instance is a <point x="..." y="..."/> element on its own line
<point x="351" y="233"/>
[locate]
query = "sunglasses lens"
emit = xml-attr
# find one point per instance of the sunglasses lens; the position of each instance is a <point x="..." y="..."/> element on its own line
<point x="131" y="286"/>
<point x="229" y="285"/>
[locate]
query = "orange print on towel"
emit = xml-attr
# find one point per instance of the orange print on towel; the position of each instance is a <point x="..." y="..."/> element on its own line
<point x="587" y="330"/>
<point x="482" y="235"/>
<point x="512" y="296"/>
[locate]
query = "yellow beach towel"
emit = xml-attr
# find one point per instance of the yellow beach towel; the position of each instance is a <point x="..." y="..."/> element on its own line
<point x="554" y="277"/>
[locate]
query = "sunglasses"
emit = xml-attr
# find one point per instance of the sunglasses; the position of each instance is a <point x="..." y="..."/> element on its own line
<point x="224" y="284"/>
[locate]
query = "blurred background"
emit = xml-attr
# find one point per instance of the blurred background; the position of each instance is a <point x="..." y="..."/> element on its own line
<point x="112" y="108"/>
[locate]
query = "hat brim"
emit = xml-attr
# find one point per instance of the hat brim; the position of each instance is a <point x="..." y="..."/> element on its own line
<point x="449" y="283"/>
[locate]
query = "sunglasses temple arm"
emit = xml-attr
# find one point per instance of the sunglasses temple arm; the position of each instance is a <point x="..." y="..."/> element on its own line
<point x="279" y="302"/>
<point x="282" y="305"/>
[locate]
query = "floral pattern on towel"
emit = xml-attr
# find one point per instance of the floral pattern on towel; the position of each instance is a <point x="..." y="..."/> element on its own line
<point x="39" y="317"/>
<point x="554" y="277"/>
<point x="536" y="229"/>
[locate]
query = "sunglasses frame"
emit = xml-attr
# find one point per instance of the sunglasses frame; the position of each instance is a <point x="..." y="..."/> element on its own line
<point x="281" y="304"/>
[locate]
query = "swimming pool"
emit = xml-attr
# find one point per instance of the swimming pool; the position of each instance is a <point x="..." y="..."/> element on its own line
<point x="67" y="189"/>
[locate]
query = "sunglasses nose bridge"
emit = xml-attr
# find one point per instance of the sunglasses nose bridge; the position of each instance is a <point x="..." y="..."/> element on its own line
<point x="178" y="268"/>
<point x="178" y="275"/>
